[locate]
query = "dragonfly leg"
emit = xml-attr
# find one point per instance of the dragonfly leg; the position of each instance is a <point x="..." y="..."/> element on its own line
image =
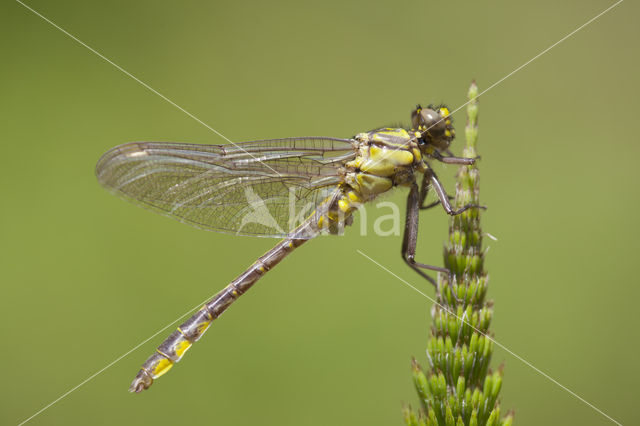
<point x="424" y="190"/>
<point x="454" y="160"/>
<point x="444" y="198"/>
<point x="410" y="238"/>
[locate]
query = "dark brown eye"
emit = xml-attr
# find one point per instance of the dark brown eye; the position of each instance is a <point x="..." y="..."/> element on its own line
<point x="435" y="124"/>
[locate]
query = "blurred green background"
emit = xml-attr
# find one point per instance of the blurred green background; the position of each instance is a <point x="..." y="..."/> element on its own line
<point x="327" y="337"/>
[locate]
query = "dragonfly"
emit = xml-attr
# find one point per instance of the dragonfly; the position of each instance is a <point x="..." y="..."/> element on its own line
<point x="292" y="188"/>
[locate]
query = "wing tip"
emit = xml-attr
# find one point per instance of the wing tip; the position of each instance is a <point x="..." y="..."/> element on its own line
<point x="116" y="154"/>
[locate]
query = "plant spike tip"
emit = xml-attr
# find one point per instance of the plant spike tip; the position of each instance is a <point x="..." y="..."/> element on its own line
<point x="458" y="389"/>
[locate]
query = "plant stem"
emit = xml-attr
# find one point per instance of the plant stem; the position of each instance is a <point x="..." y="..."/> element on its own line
<point x="459" y="388"/>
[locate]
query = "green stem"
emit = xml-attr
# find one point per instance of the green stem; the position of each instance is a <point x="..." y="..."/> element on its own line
<point x="459" y="388"/>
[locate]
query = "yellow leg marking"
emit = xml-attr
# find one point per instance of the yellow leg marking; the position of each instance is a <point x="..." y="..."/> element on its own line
<point x="162" y="367"/>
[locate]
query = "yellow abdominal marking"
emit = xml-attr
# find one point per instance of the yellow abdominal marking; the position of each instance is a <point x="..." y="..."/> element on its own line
<point x="162" y="367"/>
<point x="182" y="347"/>
<point x="203" y="327"/>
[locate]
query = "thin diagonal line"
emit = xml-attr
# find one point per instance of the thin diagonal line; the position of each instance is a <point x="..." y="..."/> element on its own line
<point x="535" y="57"/>
<point x="521" y="67"/>
<point x="527" y="363"/>
<point x="115" y="361"/>
<point x="224" y="137"/>
<point x="142" y="83"/>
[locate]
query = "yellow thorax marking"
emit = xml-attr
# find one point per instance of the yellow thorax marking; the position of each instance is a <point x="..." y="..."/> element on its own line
<point x="373" y="185"/>
<point x="388" y="135"/>
<point x="353" y="196"/>
<point x="344" y="205"/>
<point x="417" y="155"/>
<point x="384" y="161"/>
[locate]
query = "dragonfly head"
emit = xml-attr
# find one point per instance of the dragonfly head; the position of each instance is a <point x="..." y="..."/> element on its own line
<point x="435" y="125"/>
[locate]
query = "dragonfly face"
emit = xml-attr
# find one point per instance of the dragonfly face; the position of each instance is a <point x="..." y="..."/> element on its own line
<point x="435" y="123"/>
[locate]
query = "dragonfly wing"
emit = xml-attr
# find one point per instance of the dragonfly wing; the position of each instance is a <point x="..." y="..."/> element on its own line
<point x="261" y="188"/>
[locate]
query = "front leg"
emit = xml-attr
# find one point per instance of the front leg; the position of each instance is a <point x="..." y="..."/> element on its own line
<point x="444" y="198"/>
<point x="424" y="190"/>
<point x="453" y="160"/>
<point x="410" y="237"/>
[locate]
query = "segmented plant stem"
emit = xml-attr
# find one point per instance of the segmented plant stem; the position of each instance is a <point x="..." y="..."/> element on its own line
<point x="459" y="387"/>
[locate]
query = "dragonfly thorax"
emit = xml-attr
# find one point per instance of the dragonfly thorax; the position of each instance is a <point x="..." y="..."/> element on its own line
<point x="385" y="158"/>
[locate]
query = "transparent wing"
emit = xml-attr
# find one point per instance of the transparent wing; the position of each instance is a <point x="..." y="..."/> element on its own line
<point x="260" y="188"/>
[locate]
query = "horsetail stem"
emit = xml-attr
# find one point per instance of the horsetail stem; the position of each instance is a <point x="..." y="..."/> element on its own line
<point x="459" y="387"/>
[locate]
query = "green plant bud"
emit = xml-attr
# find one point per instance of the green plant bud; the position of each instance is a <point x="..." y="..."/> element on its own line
<point x="473" y="421"/>
<point x="449" y="419"/>
<point x="493" y="417"/>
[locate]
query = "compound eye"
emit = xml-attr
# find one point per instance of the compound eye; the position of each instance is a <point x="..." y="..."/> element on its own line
<point x="432" y="121"/>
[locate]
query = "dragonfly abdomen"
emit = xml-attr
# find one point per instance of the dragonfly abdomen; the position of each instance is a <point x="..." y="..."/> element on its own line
<point x="175" y="346"/>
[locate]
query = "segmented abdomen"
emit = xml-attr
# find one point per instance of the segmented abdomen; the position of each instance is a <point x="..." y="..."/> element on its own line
<point x="174" y="347"/>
